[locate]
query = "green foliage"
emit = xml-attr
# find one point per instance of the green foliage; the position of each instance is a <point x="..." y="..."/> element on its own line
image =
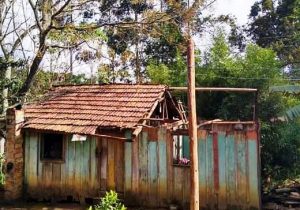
<point x="172" y="73"/>
<point x="293" y="112"/>
<point x="281" y="143"/>
<point x="291" y="89"/>
<point x="257" y="68"/>
<point x="110" y="201"/>
<point x="158" y="73"/>
<point x="277" y="26"/>
<point x="2" y="175"/>
<point x="72" y="36"/>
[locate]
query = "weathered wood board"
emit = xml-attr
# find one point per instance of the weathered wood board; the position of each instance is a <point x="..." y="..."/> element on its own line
<point x="89" y="168"/>
<point x="144" y="171"/>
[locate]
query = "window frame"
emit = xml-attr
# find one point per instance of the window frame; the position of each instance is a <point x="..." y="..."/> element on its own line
<point x="177" y="153"/>
<point x="41" y="148"/>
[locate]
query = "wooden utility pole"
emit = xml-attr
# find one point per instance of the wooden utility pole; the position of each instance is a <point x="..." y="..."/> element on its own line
<point x="194" y="199"/>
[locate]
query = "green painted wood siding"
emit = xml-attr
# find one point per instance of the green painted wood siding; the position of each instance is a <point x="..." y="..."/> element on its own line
<point x="89" y="169"/>
<point x="228" y="169"/>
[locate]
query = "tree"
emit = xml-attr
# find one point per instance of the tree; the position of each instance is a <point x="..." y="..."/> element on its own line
<point x="60" y="25"/>
<point x="277" y="26"/>
<point x="256" y="69"/>
<point x="293" y="112"/>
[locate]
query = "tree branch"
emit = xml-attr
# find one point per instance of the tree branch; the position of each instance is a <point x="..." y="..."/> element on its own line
<point x="14" y="30"/>
<point x="67" y="47"/>
<point x="21" y="37"/>
<point x="192" y="11"/>
<point x="36" y="16"/>
<point x="61" y="9"/>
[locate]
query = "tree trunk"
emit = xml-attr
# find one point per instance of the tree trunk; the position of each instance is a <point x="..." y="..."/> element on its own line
<point x="5" y="103"/>
<point x="33" y="71"/>
<point x="138" y="75"/>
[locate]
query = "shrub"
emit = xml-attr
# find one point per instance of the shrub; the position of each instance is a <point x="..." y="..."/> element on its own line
<point x="110" y="202"/>
<point x="2" y="175"/>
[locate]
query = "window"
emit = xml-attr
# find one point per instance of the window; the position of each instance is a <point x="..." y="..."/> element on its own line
<point x="181" y="150"/>
<point x="52" y="147"/>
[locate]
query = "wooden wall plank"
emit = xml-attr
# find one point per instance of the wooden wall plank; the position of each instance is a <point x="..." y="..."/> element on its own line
<point x="93" y="178"/>
<point x="241" y="169"/>
<point x="119" y="166"/>
<point x="103" y="165"/>
<point x="135" y="167"/>
<point x="211" y="199"/>
<point x="153" y="173"/>
<point x="111" y="164"/>
<point x="178" y="183"/>
<point x="71" y="162"/>
<point x="143" y="167"/>
<point x="253" y="173"/>
<point x="64" y="168"/>
<point x="86" y="167"/>
<point x="78" y="167"/>
<point x="202" y="135"/>
<point x="170" y="168"/>
<point x="222" y="171"/>
<point x="128" y="170"/>
<point x="33" y="163"/>
<point x="56" y="178"/>
<point x="186" y="189"/>
<point x="231" y="171"/>
<point x="26" y="160"/>
<point x="162" y="164"/>
<point x="39" y="164"/>
<point x="47" y="177"/>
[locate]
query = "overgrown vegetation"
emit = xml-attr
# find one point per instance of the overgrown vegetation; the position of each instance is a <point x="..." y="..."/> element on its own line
<point x="2" y="175"/>
<point x="149" y="45"/>
<point x="109" y="201"/>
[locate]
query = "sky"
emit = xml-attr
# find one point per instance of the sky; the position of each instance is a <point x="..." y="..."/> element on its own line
<point x="239" y="8"/>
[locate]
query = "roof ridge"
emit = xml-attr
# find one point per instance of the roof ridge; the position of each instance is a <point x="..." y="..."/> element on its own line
<point x="129" y="84"/>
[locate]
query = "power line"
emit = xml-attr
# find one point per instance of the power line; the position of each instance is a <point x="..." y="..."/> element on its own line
<point x="250" y="78"/>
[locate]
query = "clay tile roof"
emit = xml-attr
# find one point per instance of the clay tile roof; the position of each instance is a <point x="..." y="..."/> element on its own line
<point x="82" y="109"/>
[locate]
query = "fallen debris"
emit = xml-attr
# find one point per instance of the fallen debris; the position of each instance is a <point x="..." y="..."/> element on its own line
<point x="287" y="195"/>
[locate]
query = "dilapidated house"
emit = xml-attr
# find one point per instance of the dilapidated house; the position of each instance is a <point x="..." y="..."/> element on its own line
<point x="80" y="141"/>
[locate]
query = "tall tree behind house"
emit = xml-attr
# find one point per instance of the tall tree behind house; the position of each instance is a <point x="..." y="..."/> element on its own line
<point x="277" y="26"/>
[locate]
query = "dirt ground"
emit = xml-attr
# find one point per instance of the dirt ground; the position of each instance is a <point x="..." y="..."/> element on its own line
<point x="273" y="206"/>
<point x="42" y="206"/>
<point x="50" y="206"/>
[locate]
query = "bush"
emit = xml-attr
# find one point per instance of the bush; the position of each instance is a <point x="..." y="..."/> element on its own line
<point x="280" y="150"/>
<point x="110" y="202"/>
<point x="2" y="175"/>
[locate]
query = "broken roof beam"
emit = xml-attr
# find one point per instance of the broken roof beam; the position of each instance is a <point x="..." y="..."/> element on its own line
<point x="216" y="89"/>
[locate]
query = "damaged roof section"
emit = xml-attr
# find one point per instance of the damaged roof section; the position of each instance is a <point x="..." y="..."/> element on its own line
<point x="85" y="108"/>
